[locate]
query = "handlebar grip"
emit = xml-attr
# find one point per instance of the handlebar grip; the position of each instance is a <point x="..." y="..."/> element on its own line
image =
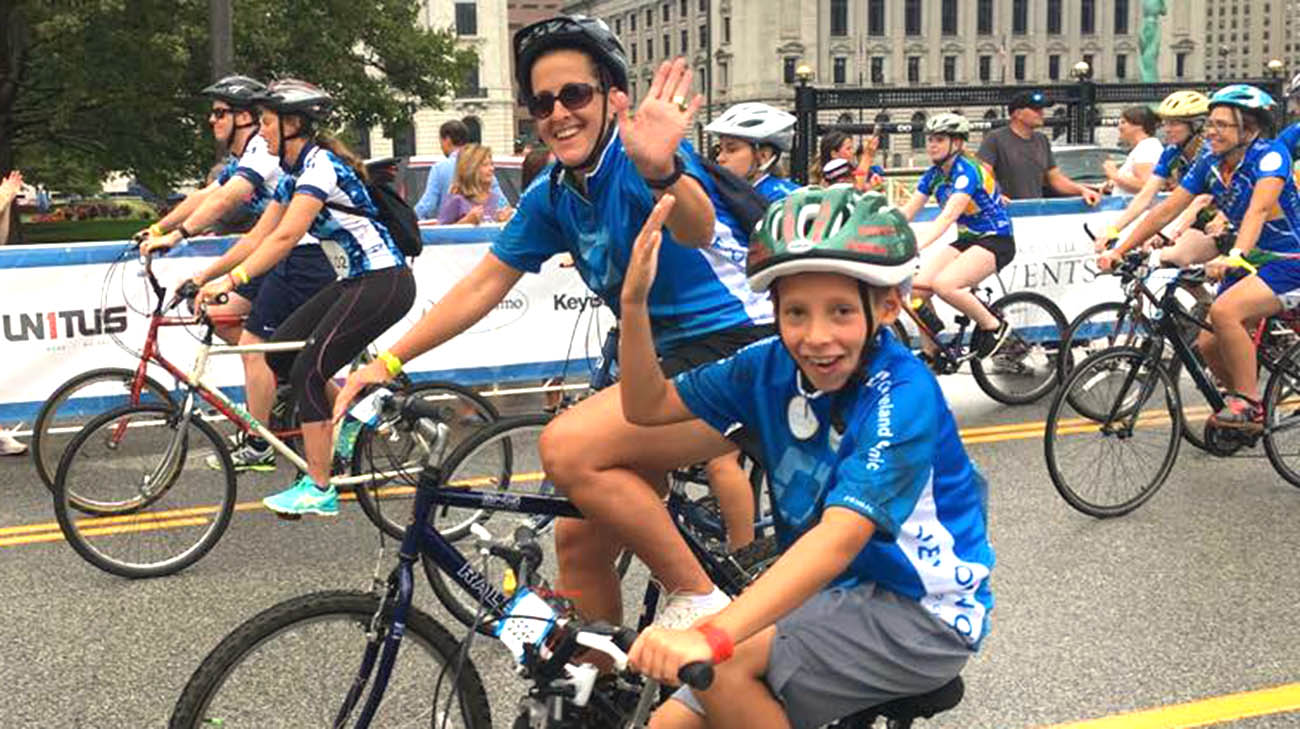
<point x="414" y="407"/>
<point x="624" y="638"/>
<point x="187" y="290"/>
<point x="697" y="675"/>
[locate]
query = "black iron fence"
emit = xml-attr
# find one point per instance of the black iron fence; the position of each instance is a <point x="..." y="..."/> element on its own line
<point x="1080" y="121"/>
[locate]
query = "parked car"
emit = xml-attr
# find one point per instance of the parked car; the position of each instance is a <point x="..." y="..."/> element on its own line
<point x="1082" y="162"/>
<point x="413" y="172"/>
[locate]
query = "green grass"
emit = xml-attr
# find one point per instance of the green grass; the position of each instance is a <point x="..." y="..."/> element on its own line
<point x="75" y="231"/>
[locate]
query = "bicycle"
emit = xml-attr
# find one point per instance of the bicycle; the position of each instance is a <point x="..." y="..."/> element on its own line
<point x="128" y="461"/>
<point x="1023" y="370"/>
<point x="1115" y="395"/>
<point x="247" y="679"/>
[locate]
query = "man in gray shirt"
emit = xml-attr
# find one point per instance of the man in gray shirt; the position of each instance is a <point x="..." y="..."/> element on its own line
<point x="1021" y="156"/>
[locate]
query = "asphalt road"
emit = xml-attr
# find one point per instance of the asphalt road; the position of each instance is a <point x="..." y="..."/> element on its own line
<point x="1192" y="597"/>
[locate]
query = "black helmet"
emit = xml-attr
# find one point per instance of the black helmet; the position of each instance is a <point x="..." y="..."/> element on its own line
<point x="578" y="32"/>
<point x="293" y="96"/>
<point x="241" y="92"/>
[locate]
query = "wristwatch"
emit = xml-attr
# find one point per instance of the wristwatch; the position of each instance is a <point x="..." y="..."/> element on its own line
<point x="671" y="179"/>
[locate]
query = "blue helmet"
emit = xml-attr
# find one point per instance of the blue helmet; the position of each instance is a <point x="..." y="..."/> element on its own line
<point x="1242" y="96"/>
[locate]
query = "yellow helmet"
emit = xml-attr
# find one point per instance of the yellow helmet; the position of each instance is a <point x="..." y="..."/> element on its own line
<point x="1184" y="105"/>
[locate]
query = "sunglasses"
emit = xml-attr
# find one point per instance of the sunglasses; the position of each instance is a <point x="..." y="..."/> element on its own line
<point x="220" y="114"/>
<point x="574" y="96"/>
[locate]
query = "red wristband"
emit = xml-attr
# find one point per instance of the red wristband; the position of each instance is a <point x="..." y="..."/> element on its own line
<point x="719" y="642"/>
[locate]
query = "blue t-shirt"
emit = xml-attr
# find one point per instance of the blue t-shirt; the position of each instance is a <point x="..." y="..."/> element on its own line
<point x="899" y="462"/>
<point x="774" y="188"/>
<point x="984" y="214"/>
<point x="696" y="291"/>
<point x="365" y="241"/>
<point x="1263" y="159"/>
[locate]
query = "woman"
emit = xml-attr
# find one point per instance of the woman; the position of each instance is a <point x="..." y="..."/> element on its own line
<point x="839" y="145"/>
<point x="470" y="199"/>
<point x="751" y="138"/>
<point x="323" y="179"/>
<point x="966" y="188"/>
<point x="1249" y="176"/>
<point x="1137" y="127"/>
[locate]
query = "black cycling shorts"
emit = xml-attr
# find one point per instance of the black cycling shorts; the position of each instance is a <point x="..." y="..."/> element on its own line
<point x="710" y="348"/>
<point x="1003" y="247"/>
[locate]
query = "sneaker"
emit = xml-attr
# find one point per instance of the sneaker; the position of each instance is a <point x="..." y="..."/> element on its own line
<point x="1241" y="413"/>
<point x="246" y="458"/>
<point x="346" y="441"/>
<point x="682" y="611"/>
<point x="989" y="342"/>
<point x="11" y="446"/>
<point x="304" y="497"/>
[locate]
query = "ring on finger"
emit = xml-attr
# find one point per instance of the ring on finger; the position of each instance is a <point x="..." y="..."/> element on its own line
<point x="680" y="101"/>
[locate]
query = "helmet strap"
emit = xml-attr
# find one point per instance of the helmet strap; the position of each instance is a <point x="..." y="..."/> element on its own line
<point x="948" y="157"/>
<point x="606" y="129"/>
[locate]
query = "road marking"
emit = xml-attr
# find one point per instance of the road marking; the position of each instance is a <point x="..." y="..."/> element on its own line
<point x="1204" y="712"/>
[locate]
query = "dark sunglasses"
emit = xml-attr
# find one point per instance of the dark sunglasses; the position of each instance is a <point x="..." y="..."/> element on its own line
<point x="220" y="113"/>
<point x="574" y="96"/>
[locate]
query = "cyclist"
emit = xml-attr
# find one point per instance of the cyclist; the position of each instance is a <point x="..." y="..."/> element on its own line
<point x="1183" y="115"/>
<point x="966" y="188"/>
<point x="883" y="587"/>
<point x="751" y="138"/>
<point x="1290" y="137"/>
<point x="1249" y="176"/>
<point x="249" y="178"/>
<point x="837" y="144"/>
<point x="342" y="318"/>
<point x="610" y="167"/>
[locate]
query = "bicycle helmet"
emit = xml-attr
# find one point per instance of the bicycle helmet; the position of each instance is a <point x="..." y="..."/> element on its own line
<point x="756" y="123"/>
<point x="241" y="92"/>
<point x="1184" y="105"/>
<point x="949" y="124"/>
<point x="578" y="32"/>
<point x="294" y="96"/>
<point x="832" y="230"/>
<point x="1293" y="88"/>
<point x="1246" y="100"/>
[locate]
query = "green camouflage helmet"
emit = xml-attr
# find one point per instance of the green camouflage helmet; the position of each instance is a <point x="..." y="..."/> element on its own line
<point x="832" y="230"/>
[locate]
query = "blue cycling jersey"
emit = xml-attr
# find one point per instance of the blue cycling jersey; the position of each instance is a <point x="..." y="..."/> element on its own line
<point x="365" y="241"/>
<point x="696" y="292"/>
<point x="259" y="167"/>
<point x="1264" y="158"/>
<point x="1290" y="138"/>
<point x="1172" y="164"/>
<point x="984" y="214"/>
<point x="774" y="188"/>
<point x="898" y="461"/>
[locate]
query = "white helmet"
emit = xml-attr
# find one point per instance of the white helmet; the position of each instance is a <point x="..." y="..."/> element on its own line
<point x="1293" y="88"/>
<point x="756" y="123"/>
<point x="949" y="124"/>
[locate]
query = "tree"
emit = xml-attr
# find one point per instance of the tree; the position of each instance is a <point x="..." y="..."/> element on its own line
<point x="89" y="87"/>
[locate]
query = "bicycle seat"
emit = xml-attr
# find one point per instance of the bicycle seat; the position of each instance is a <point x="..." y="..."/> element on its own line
<point x="902" y="712"/>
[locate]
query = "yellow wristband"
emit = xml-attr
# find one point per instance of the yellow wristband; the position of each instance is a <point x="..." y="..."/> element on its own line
<point x="390" y="361"/>
<point x="1112" y="232"/>
<point x="156" y="231"/>
<point x="240" y="274"/>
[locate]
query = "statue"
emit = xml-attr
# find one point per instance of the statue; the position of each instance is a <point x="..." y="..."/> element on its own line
<point x="1149" y="40"/>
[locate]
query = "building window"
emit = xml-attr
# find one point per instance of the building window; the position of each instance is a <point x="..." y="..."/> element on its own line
<point x="1180" y="65"/>
<point x="839" y="17"/>
<point x="1019" y="17"/>
<point x="475" y="128"/>
<point x="704" y="6"/>
<point x="1019" y="63"/>
<point x="1121" y="17"/>
<point x="649" y="49"/>
<point x="722" y="74"/>
<point x="1092" y="66"/>
<point x="918" y="130"/>
<point x="726" y="29"/>
<point x="469" y="88"/>
<point x="649" y="17"/>
<point x="790" y="62"/>
<point x="1121" y="66"/>
<point x="682" y="10"/>
<point x="1053" y="17"/>
<point x="1054" y="67"/>
<point x="1088" y="17"/>
<point x="877" y="69"/>
<point x="618" y="26"/>
<point x="466" y="19"/>
<point x="881" y="120"/>
<point x="685" y="42"/>
<point x="949" y="17"/>
<point x="949" y="69"/>
<point x="914" y="69"/>
<point x="668" y="47"/>
<point x="912" y="17"/>
<point x="875" y="17"/>
<point x="839" y="72"/>
<point x="984" y="17"/>
<point x="665" y="12"/>
<point x="631" y="22"/>
<point x="986" y="68"/>
<point x="704" y="36"/>
<point x="634" y="47"/>
<point x="703" y="75"/>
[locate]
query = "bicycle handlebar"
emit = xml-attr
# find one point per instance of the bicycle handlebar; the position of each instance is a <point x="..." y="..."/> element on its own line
<point x="697" y="674"/>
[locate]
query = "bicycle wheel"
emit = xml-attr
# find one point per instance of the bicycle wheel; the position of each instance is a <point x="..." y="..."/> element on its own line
<point x="1099" y="327"/>
<point x="1025" y="368"/>
<point x="293" y="665"/>
<point x="394" y="453"/>
<point x="131" y="461"/>
<point x="73" y="404"/>
<point x="1110" y="466"/>
<point x="1282" y="417"/>
<point x="500" y="457"/>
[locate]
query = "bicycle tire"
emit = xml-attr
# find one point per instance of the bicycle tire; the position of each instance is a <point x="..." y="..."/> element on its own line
<point x="1059" y="427"/>
<point x="145" y="447"/>
<point x="306" y="615"/>
<point x="1286" y="376"/>
<point x="1030" y="351"/>
<point x="386" y="503"/>
<point x="47" y="445"/>
<point x="1099" y="327"/>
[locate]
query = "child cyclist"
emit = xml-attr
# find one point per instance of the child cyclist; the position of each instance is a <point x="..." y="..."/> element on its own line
<point x="883" y="587"/>
<point x="751" y="138"/>
<point x="969" y="194"/>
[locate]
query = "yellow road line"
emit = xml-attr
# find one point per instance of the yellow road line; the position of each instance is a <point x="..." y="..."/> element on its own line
<point x="103" y="531"/>
<point x="1204" y="712"/>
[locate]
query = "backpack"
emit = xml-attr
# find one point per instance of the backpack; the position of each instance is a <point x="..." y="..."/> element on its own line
<point x="740" y="197"/>
<point x="394" y="213"/>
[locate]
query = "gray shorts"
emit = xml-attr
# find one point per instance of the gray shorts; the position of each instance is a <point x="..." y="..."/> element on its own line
<point x="846" y="650"/>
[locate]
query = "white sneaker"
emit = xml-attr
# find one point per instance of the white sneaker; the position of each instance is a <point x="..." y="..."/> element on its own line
<point x="682" y="611"/>
<point x="10" y="446"/>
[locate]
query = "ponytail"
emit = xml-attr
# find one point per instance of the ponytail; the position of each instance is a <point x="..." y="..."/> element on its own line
<point x="341" y="150"/>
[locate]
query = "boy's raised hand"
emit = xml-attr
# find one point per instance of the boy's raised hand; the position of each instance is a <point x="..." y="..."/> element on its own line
<point x="644" y="262"/>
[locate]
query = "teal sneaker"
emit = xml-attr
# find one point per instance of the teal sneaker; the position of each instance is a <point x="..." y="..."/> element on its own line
<point x="303" y="497"/>
<point x="347" y="440"/>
